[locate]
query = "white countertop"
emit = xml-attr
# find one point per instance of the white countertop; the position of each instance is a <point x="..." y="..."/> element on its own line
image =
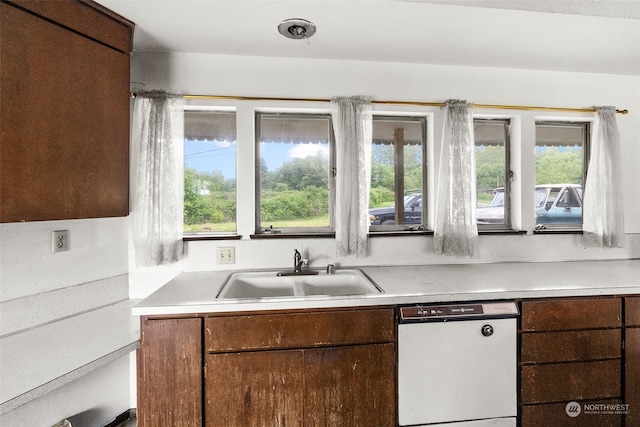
<point x="195" y="292"/>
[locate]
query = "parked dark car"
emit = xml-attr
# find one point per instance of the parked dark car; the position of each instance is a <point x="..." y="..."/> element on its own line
<point x="387" y="216"/>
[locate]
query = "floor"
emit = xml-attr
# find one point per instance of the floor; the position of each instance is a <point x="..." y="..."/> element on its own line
<point x="129" y="423"/>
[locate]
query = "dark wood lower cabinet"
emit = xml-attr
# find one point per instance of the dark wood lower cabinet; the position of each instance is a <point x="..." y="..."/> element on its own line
<point x="334" y="386"/>
<point x="318" y="368"/>
<point x="571" y="362"/>
<point x="170" y="373"/>
<point x="338" y="367"/>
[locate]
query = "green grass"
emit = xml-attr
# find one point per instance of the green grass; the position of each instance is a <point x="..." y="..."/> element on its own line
<point x="209" y="227"/>
<point x="319" y="221"/>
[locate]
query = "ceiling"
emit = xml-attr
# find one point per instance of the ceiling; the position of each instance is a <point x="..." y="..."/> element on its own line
<point x="599" y="36"/>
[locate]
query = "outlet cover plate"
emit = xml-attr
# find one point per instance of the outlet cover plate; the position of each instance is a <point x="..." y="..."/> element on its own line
<point x="60" y="241"/>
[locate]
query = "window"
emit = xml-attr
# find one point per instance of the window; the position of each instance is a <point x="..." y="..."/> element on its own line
<point x="209" y="171"/>
<point x="492" y="173"/>
<point x="561" y="150"/>
<point x="398" y="173"/>
<point x="294" y="171"/>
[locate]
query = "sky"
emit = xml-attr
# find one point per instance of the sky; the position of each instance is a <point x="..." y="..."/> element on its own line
<point x="207" y="156"/>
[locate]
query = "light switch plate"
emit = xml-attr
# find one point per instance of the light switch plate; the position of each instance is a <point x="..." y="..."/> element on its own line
<point x="226" y="255"/>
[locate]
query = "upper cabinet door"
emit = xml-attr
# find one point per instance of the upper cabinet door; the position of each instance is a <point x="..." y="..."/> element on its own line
<point x="64" y="115"/>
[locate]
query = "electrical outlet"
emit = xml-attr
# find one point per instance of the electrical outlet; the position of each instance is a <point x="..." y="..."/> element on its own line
<point x="60" y="241"/>
<point x="227" y="255"/>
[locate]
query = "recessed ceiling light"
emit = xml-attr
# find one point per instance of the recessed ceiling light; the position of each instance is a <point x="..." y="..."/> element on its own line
<point x="297" y="28"/>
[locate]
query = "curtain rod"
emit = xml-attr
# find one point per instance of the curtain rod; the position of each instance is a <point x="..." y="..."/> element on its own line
<point x="415" y="103"/>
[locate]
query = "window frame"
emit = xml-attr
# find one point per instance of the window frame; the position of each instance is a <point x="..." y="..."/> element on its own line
<point x="508" y="174"/>
<point x="289" y="231"/>
<point x="408" y="117"/>
<point x="204" y="235"/>
<point x="586" y="152"/>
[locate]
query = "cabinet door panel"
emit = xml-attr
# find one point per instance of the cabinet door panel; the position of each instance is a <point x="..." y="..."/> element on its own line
<point x="632" y="373"/>
<point x="571" y="314"/>
<point x="632" y="311"/>
<point x="571" y="346"/>
<point x="65" y="123"/>
<point x="170" y="373"/>
<point x="254" y="389"/>
<point x="570" y="381"/>
<point x="350" y="386"/>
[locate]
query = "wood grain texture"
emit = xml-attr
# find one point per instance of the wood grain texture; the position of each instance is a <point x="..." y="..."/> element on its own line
<point x="350" y="386"/>
<point x="632" y="375"/>
<point x="571" y="314"/>
<point x="552" y="415"/>
<point x="64" y="122"/>
<point x="632" y="311"/>
<point x="341" y="370"/>
<point x="86" y="17"/>
<point x="571" y="346"/>
<point x="299" y="330"/>
<point x="254" y="389"/>
<point x="559" y="382"/>
<point x="170" y="373"/>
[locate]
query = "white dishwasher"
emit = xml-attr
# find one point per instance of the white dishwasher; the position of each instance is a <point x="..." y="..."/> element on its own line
<point x="457" y="364"/>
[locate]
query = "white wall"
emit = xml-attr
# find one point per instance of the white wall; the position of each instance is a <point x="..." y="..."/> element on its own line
<point x="40" y="290"/>
<point x="90" y="401"/>
<point x="192" y="73"/>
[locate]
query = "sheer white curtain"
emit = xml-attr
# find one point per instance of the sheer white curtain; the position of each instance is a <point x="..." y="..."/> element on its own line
<point x="602" y="215"/>
<point x="352" y="122"/>
<point x="157" y="183"/>
<point x="455" y="230"/>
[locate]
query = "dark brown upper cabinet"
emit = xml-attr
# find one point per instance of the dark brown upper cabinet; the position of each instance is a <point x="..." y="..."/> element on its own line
<point x="64" y="111"/>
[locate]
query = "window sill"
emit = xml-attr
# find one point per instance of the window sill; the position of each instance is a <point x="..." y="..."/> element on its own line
<point x="257" y="236"/>
<point x="403" y="233"/>
<point x="400" y="233"/>
<point x="501" y="232"/>
<point x="559" y="231"/>
<point x="198" y="237"/>
<point x="430" y="233"/>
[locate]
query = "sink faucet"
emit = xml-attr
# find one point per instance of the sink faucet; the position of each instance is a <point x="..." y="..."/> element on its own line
<point x="298" y="262"/>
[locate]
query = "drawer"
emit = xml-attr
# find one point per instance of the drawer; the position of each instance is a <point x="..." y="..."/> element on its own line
<point x="571" y="346"/>
<point x="570" y="381"/>
<point x="298" y="330"/>
<point x="571" y="314"/>
<point x="555" y="414"/>
<point x="632" y="311"/>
